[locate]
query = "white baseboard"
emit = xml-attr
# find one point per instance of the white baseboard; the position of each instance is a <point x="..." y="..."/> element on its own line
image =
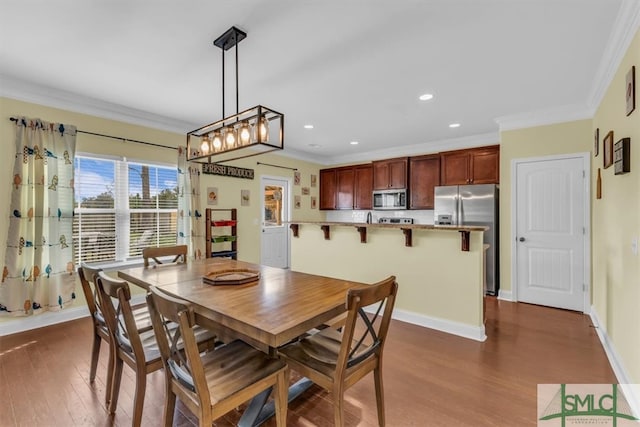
<point x="631" y="391"/>
<point x="21" y="324"/>
<point x="476" y="333"/>
<point x="505" y="295"/>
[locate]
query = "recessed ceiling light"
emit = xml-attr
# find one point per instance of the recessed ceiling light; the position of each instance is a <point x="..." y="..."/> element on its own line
<point x="425" y="97"/>
<point x="308" y="126"/>
<point x="454" y="125"/>
<point x="315" y="145"/>
<point x="354" y="143"/>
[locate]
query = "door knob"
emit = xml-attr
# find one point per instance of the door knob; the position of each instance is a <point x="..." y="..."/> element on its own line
<point x="522" y="239"/>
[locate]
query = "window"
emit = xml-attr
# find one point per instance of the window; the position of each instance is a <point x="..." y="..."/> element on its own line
<point x="121" y="207"/>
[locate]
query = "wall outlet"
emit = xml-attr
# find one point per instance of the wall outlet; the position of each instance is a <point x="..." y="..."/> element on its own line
<point x="634" y="246"/>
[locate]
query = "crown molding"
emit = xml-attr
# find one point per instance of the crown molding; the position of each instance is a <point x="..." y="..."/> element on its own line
<point x="22" y="90"/>
<point x="624" y="30"/>
<point x="479" y="140"/>
<point x="422" y="148"/>
<point x="548" y="116"/>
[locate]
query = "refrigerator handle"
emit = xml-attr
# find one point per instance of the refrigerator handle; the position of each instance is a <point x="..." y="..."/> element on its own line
<point x="458" y="210"/>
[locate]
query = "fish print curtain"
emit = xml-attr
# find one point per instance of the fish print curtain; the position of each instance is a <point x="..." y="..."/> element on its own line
<point x="190" y="221"/>
<point x="38" y="272"/>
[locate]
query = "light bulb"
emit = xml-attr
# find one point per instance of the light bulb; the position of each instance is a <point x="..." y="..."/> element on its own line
<point x="217" y="141"/>
<point x="230" y="137"/>
<point x="244" y="133"/>
<point x="205" y="146"/>
<point x="262" y="130"/>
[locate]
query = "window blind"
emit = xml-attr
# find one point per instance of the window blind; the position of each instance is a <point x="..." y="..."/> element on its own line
<point x="122" y="207"/>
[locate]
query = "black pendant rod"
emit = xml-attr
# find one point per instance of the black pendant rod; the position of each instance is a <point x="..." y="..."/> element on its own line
<point x="153" y="144"/>
<point x="223" y="116"/>
<point x="237" y="97"/>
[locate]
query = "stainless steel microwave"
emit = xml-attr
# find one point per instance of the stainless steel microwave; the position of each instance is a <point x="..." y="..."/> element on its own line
<point x="390" y="199"/>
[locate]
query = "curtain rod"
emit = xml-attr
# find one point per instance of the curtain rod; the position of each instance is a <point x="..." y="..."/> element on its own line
<point x="276" y="166"/>
<point x="13" y="119"/>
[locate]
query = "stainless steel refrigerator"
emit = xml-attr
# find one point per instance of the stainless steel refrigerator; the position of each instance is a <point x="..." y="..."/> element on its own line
<point x="473" y="205"/>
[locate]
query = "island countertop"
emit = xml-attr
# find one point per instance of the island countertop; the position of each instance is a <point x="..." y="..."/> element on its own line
<point x="398" y="226"/>
<point x="407" y="229"/>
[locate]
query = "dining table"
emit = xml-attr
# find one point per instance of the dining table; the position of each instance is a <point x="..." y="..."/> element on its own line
<point x="276" y="307"/>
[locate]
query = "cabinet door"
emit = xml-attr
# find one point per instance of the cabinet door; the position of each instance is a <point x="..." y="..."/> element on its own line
<point x="344" y="188"/>
<point x="454" y="168"/>
<point x="424" y="176"/>
<point x="390" y="174"/>
<point x="485" y="166"/>
<point x="328" y="189"/>
<point x="363" y="187"/>
<point x="398" y="173"/>
<point x="380" y="175"/>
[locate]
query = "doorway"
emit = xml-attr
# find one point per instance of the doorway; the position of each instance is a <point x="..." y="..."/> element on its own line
<point x="274" y="246"/>
<point x="550" y="226"/>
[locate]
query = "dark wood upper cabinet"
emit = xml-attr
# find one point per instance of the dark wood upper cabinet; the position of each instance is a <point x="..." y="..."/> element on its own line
<point x="351" y="187"/>
<point x="344" y="188"/>
<point x="424" y="176"/>
<point x="472" y="166"/>
<point x="363" y="187"/>
<point x="390" y="174"/>
<point x="327" y="189"/>
<point x="485" y="166"/>
<point x="348" y="187"/>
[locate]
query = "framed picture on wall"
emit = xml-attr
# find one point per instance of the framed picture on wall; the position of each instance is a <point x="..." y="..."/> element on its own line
<point x="596" y="146"/>
<point x="630" y="91"/>
<point x="607" y="147"/>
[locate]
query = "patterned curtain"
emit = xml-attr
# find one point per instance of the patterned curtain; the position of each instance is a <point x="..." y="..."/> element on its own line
<point x="38" y="273"/>
<point x="190" y="220"/>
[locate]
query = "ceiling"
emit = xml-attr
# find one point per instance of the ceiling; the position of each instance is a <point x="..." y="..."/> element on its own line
<point x="352" y="68"/>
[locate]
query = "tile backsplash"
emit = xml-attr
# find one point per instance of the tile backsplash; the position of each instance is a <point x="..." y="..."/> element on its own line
<point x="419" y="216"/>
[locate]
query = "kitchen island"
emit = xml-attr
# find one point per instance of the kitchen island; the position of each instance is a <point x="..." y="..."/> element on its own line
<point x="440" y="269"/>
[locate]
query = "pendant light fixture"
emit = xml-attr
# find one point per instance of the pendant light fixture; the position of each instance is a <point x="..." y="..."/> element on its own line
<point x="247" y="133"/>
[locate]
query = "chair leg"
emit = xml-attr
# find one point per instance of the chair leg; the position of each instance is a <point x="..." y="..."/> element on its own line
<point x="169" y="404"/>
<point x="281" y="396"/>
<point x="138" y="400"/>
<point x="338" y="404"/>
<point x="377" y="376"/>
<point x="110" y="372"/>
<point x="115" y="386"/>
<point x="95" y="352"/>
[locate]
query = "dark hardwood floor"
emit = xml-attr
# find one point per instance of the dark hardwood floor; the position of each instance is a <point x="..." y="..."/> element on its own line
<point x="430" y="378"/>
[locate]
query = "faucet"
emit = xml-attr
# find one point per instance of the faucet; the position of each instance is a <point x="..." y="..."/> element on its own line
<point x="368" y="217"/>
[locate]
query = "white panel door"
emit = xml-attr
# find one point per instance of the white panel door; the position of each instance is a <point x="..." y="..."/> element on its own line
<point x="274" y="248"/>
<point x="550" y="232"/>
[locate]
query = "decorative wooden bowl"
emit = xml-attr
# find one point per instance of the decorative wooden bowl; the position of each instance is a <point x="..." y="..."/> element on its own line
<point x="237" y="276"/>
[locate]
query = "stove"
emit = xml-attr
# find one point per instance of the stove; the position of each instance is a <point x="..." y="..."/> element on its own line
<point x="395" y="220"/>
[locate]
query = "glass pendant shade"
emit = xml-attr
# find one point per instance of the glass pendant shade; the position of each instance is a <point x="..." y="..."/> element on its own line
<point x="244" y="133"/>
<point x="262" y="130"/>
<point x="217" y="141"/>
<point x="230" y="137"/>
<point x="205" y="146"/>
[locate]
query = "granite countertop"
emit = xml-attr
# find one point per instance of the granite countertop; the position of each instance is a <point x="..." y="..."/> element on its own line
<point x="396" y="226"/>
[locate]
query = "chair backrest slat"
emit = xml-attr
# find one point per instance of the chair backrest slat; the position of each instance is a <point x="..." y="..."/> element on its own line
<point x="120" y="320"/>
<point x="353" y="351"/>
<point x="184" y="366"/>
<point x="178" y="252"/>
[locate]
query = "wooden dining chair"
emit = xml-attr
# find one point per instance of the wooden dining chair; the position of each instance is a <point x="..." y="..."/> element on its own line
<point x="178" y="252"/>
<point x="217" y="382"/>
<point x="138" y="349"/>
<point x="337" y="359"/>
<point x="87" y="275"/>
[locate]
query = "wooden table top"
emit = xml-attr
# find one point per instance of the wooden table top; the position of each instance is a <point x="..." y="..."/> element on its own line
<point x="281" y="306"/>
